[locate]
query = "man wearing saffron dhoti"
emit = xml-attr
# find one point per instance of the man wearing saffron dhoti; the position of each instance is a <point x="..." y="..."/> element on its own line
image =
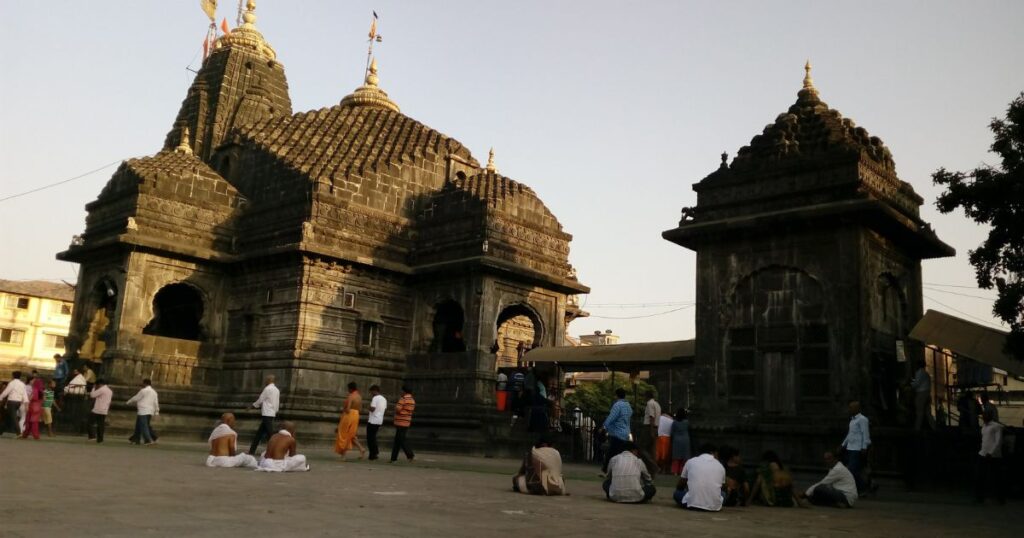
<point x="281" y="456"/>
<point x="223" y="449"/>
<point x="348" y="425"/>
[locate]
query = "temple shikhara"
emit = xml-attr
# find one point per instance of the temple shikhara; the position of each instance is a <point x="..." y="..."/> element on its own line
<point x="809" y="252"/>
<point x="349" y="243"/>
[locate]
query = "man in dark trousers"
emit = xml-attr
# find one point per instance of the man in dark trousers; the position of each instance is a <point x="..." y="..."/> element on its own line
<point x="268" y="403"/>
<point x="378" y="404"/>
<point x="403" y="419"/>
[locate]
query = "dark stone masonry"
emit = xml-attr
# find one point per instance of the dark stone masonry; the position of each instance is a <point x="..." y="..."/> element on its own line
<point x="350" y="243"/>
<point x="809" y="252"/>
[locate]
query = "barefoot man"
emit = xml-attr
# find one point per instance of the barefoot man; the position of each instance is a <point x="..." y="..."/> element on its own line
<point x="280" y="455"/>
<point x="223" y="452"/>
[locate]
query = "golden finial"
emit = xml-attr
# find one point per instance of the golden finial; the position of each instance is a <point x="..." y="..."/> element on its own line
<point x="808" y="81"/>
<point x="184" y="145"/>
<point x="490" y="161"/>
<point x="249" y="17"/>
<point x="371" y="74"/>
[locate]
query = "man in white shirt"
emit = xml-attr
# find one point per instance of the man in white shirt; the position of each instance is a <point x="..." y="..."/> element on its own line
<point x="990" y="460"/>
<point x="76" y="385"/>
<point x="838" y="488"/>
<point x="647" y="437"/>
<point x="14" y="395"/>
<point x="102" y="396"/>
<point x="700" y="483"/>
<point x="148" y="404"/>
<point x="628" y="480"/>
<point x="378" y="404"/>
<point x="268" y="403"/>
<point x="856" y="443"/>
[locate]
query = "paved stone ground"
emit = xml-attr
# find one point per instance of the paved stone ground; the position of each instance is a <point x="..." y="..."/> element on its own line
<point x="68" y="487"/>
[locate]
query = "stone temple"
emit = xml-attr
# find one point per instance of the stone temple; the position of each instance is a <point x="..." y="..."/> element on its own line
<point x="809" y="252"/>
<point x="349" y="243"/>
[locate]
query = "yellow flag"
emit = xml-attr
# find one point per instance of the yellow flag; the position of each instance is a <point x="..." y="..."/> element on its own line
<point x="210" y="8"/>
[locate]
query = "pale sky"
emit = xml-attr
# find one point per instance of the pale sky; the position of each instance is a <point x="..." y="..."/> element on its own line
<point x="609" y="110"/>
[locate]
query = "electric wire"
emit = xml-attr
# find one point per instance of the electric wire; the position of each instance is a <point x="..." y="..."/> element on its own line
<point x="51" y="185"/>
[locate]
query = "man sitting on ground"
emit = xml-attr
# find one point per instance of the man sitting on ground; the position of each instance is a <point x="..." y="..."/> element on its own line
<point x="628" y="479"/>
<point x="838" y="488"/>
<point x="223" y="452"/>
<point x="280" y="455"/>
<point x="541" y="471"/>
<point x="700" y="484"/>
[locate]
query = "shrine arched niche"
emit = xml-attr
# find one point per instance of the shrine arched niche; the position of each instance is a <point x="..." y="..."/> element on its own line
<point x="99" y="308"/>
<point x="519" y="329"/>
<point x="178" y="310"/>
<point x="777" y="343"/>
<point x="448" y="324"/>
<point x="889" y="326"/>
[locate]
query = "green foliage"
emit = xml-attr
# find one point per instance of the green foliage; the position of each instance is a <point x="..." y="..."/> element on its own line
<point x="995" y="196"/>
<point x="595" y="399"/>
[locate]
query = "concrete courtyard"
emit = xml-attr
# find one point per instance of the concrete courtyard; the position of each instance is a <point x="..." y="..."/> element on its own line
<point x="68" y="487"/>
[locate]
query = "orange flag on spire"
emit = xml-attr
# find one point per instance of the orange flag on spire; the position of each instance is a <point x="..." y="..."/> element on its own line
<point x="224" y="26"/>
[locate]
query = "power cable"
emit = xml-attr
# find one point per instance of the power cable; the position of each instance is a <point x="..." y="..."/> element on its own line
<point x="981" y="320"/>
<point x="51" y="185"/>
<point x="929" y="288"/>
<point x="641" y="317"/>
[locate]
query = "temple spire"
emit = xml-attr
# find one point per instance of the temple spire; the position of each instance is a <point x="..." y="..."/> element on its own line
<point x="490" y="162"/>
<point x="247" y="36"/>
<point x="184" y="145"/>
<point x="808" y="81"/>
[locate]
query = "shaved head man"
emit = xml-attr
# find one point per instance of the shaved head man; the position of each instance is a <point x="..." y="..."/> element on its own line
<point x="223" y="440"/>
<point x="281" y="453"/>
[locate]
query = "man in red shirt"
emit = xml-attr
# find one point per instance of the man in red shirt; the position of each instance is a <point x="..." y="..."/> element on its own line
<point x="403" y="419"/>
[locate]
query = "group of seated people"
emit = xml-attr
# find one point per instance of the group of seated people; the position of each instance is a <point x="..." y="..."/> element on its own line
<point x="709" y="481"/>
<point x="280" y="455"/>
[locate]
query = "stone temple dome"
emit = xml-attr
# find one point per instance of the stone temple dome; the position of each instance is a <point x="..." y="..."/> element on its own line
<point x="370" y="94"/>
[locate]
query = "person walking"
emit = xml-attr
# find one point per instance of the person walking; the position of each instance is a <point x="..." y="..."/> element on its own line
<point x="378" y="404"/>
<point x="269" y="403"/>
<point x="647" y="437"/>
<point x="49" y="402"/>
<point x="403" y="419"/>
<point x="617" y="426"/>
<point x="148" y="404"/>
<point x="13" y="397"/>
<point x="990" y="460"/>
<point x="348" y="425"/>
<point x="922" y="386"/>
<point x="101" y="395"/>
<point x="34" y="411"/>
<point x="855" y="446"/>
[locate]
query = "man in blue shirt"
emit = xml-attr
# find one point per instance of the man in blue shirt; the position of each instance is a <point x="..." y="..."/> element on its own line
<point x="617" y="426"/>
<point x="60" y="373"/>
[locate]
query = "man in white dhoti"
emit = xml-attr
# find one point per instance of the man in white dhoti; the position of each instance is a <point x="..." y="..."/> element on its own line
<point x="223" y="451"/>
<point x="280" y="456"/>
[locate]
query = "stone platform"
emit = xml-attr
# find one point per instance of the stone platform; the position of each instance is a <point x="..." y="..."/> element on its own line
<point x="68" y="487"/>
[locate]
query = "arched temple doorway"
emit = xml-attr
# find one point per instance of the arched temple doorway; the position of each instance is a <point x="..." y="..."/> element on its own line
<point x="448" y="324"/>
<point x="519" y="330"/>
<point x="101" y="302"/>
<point x="177" y="312"/>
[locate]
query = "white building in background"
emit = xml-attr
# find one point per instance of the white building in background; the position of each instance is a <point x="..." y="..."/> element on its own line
<point x="35" y="317"/>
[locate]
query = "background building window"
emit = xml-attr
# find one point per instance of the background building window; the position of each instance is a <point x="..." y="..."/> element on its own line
<point x="55" y="341"/>
<point x="12" y="336"/>
<point x="20" y="303"/>
<point x="65" y="309"/>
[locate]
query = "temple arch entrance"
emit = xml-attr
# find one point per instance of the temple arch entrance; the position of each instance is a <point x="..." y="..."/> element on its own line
<point x="102" y="302"/>
<point x="177" y="312"/>
<point x="519" y="330"/>
<point x="448" y="328"/>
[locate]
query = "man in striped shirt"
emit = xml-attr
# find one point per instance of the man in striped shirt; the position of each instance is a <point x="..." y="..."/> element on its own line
<point x="403" y="419"/>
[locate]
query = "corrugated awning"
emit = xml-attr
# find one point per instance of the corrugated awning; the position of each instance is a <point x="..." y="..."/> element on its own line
<point x="615" y="357"/>
<point x="968" y="339"/>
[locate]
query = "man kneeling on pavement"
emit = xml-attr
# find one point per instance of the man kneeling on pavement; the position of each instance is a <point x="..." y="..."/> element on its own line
<point x="628" y="480"/>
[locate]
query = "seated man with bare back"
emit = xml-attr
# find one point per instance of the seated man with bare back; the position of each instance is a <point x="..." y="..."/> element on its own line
<point x="222" y="446"/>
<point x="280" y="455"/>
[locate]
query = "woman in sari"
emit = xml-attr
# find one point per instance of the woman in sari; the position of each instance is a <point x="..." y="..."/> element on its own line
<point x="774" y="484"/>
<point x="348" y="426"/>
<point x="34" y="414"/>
